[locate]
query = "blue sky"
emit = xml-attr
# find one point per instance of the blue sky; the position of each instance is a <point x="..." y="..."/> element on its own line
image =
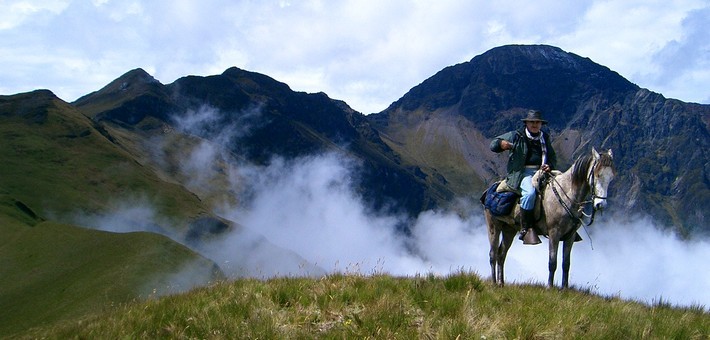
<point x="366" y="52"/>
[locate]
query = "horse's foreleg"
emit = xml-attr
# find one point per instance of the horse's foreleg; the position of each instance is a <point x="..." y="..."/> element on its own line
<point x="566" y="261"/>
<point x="552" y="261"/>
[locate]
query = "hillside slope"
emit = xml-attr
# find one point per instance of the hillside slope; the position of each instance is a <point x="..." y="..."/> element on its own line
<point x="55" y="272"/>
<point x="57" y="166"/>
<point x="51" y="148"/>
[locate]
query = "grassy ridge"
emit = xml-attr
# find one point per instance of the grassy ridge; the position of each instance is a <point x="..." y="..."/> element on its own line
<point x="385" y="307"/>
<point x="57" y="164"/>
<point x="55" y="161"/>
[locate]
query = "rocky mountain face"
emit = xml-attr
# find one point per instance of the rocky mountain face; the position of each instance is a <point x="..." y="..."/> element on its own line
<point x="445" y="125"/>
<point x="264" y="119"/>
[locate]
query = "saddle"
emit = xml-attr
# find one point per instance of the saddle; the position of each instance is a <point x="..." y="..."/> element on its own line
<point x="502" y="200"/>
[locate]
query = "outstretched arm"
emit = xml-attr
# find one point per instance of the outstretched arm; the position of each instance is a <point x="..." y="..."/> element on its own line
<point x="502" y="142"/>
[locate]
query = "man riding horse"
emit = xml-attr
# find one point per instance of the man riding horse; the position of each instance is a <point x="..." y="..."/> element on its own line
<point x="530" y="150"/>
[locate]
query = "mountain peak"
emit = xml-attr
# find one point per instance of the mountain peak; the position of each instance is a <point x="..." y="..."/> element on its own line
<point x="249" y="79"/>
<point x="133" y="83"/>
<point x="32" y="106"/>
<point x="515" y="58"/>
<point x="533" y="51"/>
<point x="515" y="77"/>
<point x="586" y="104"/>
<point x="136" y="78"/>
<point x="138" y="74"/>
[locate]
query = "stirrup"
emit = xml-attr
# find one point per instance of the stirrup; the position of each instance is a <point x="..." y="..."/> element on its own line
<point x="577" y="237"/>
<point x="530" y="237"/>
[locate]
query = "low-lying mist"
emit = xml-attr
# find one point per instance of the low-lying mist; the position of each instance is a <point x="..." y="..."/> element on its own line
<point x="303" y="217"/>
<point x="307" y="206"/>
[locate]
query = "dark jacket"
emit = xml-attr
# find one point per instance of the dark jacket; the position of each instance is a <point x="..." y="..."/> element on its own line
<point x="516" y="158"/>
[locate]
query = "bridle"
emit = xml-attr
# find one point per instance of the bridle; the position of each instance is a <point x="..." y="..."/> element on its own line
<point x="591" y="182"/>
<point x="550" y="180"/>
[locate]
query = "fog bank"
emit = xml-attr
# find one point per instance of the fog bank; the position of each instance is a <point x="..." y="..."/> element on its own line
<point x="308" y="206"/>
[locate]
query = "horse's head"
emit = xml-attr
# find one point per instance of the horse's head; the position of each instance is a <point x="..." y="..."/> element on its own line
<point x="601" y="173"/>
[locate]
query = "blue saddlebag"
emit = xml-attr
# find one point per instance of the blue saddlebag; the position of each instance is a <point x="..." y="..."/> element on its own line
<point x="499" y="203"/>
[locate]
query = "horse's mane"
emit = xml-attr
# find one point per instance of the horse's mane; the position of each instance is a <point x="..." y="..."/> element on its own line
<point x="580" y="168"/>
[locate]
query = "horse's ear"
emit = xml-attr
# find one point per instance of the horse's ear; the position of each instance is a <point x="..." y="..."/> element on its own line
<point x="595" y="153"/>
<point x="610" y="155"/>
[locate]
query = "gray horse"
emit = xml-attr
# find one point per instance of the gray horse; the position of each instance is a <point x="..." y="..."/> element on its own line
<point x="563" y="202"/>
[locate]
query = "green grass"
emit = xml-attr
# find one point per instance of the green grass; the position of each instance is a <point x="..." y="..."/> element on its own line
<point x="53" y="272"/>
<point x="384" y="307"/>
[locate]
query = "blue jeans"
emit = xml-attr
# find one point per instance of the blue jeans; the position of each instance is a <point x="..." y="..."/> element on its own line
<point x="527" y="201"/>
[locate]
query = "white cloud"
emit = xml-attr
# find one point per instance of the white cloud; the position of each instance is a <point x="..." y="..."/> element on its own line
<point x="685" y="61"/>
<point x="629" y="36"/>
<point x="368" y="53"/>
<point x="16" y="13"/>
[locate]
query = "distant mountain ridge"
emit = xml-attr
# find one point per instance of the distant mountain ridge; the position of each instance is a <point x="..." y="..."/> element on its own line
<point x="431" y="145"/>
<point x="586" y="105"/>
<point x="288" y="124"/>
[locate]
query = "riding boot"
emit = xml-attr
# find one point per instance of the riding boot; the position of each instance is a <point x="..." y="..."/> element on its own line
<point x="527" y="232"/>
<point x="523" y="223"/>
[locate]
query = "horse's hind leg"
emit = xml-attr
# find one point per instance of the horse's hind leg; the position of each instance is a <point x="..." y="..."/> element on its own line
<point x="493" y="259"/>
<point x="493" y="240"/>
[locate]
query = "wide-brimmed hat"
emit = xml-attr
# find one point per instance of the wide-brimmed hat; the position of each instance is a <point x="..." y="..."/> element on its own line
<point x="534" y="116"/>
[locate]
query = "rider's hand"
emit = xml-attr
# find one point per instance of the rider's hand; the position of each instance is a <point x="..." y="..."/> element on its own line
<point x="545" y="168"/>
